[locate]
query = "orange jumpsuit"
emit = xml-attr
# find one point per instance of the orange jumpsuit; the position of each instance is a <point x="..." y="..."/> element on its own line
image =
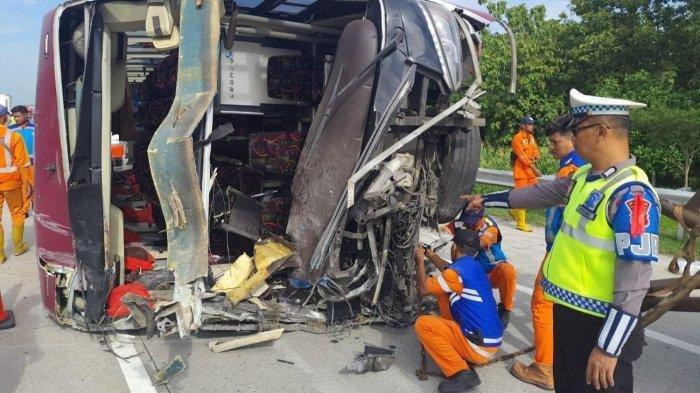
<point x="14" y="163"/>
<point x="503" y="276"/>
<point x="542" y="309"/>
<point x="526" y="152"/>
<point x="442" y="337"/>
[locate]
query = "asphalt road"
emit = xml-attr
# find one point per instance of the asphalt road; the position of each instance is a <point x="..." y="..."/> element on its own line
<point x="40" y="356"/>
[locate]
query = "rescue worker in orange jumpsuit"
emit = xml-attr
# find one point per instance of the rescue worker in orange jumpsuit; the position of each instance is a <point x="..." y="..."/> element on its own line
<point x="492" y="258"/>
<point x="525" y="172"/>
<point x="14" y="175"/>
<point x="24" y="126"/>
<point x="468" y="329"/>
<point x="539" y="373"/>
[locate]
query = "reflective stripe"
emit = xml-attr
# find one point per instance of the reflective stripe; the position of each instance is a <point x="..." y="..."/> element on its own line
<point x="443" y="284"/>
<point x="616" y="339"/>
<point x="490" y="256"/>
<point x="568" y="297"/>
<point x="629" y="331"/>
<point x="580" y="235"/>
<point x="9" y="160"/>
<point x="481" y="351"/>
<point x="603" y="336"/>
<point x="454" y="298"/>
<point x="493" y="340"/>
<point x="470" y="291"/>
<point x="473" y="298"/>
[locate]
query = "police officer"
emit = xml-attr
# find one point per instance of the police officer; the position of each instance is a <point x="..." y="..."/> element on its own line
<point x="599" y="267"/>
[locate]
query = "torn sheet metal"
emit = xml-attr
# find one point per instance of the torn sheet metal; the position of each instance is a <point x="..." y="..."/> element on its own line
<point x="221" y="346"/>
<point x="320" y="175"/>
<point x="244" y="217"/>
<point x="85" y="198"/>
<point x="291" y="313"/>
<point x="374" y="358"/>
<point x="172" y="160"/>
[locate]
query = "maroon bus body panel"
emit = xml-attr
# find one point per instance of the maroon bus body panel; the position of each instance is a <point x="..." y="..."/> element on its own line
<point x="54" y="240"/>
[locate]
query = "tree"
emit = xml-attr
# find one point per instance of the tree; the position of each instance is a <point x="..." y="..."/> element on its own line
<point x="674" y="134"/>
<point x="643" y="50"/>
<point x="540" y="61"/>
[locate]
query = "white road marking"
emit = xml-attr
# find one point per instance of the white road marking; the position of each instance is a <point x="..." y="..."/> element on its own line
<point x="134" y="372"/>
<point x="673" y="341"/>
<point x="524" y="289"/>
<point x="680" y="344"/>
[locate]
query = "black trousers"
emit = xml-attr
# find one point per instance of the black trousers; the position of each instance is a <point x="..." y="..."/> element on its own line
<point x="575" y="336"/>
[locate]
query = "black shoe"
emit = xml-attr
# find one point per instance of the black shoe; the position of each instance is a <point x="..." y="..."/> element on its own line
<point x="503" y="315"/>
<point x="460" y="382"/>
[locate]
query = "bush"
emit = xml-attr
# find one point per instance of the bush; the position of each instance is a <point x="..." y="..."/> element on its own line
<point x="667" y="144"/>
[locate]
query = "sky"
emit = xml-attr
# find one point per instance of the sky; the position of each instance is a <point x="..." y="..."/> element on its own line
<point x="20" y="28"/>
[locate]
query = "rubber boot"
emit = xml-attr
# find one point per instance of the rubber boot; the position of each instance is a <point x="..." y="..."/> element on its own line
<point x="460" y="382"/>
<point x="503" y="315"/>
<point x="537" y="374"/>
<point x="17" y="235"/>
<point x="520" y="223"/>
<point x="2" y="244"/>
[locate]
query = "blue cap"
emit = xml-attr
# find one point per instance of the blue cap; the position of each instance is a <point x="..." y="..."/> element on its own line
<point x="527" y="120"/>
<point x="3" y="111"/>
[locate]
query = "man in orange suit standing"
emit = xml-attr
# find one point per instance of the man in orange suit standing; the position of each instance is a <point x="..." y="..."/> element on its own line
<point x="525" y="172"/>
<point x="14" y="176"/>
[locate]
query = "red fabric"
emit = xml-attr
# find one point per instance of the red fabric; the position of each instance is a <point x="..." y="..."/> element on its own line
<point x="138" y="259"/>
<point x="115" y="307"/>
<point x="143" y="215"/>
<point x="131" y="236"/>
<point x="124" y="189"/>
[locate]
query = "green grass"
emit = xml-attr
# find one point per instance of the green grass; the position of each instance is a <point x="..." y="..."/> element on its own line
<point x="498" y="158"/>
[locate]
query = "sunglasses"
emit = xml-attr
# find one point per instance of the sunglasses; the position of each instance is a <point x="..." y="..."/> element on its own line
<point x="577" y="130"/>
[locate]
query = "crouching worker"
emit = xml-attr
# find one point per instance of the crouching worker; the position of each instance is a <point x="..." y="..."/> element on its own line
<point x="468" y="329"/>
<point x="492" y="258"/>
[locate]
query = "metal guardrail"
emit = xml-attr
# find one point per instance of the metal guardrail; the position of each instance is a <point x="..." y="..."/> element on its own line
<point x="505" y="179"/>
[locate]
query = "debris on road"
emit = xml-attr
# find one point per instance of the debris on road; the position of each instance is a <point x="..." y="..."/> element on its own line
<point x="176" y="366"/>
<point x="374" y="358"/>
<point x="222" y="346"/>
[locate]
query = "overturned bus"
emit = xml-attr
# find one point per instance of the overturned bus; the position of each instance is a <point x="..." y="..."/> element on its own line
<point x="179" y="136"/>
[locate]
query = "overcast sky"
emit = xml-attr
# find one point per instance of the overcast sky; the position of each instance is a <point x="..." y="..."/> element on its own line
<point x="20" y="27"/>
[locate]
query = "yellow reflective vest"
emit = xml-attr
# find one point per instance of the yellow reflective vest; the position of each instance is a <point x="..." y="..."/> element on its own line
<point x="579" y="271"/>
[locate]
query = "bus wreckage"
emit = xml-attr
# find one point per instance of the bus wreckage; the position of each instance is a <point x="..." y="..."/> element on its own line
<point x="195" y="154"/>
<point x="243" y="166"/>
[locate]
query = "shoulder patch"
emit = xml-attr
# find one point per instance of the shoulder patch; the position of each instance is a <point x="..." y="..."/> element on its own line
<point x="638" y="208"/>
